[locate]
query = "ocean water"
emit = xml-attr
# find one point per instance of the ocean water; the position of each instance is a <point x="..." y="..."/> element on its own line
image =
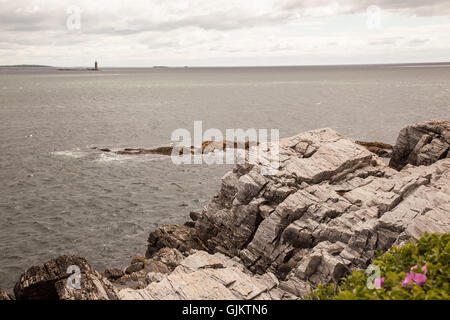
<point x="57" y="196"/>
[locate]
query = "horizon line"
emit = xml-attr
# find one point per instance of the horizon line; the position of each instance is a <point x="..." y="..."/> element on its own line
<point x="234" y="66"/>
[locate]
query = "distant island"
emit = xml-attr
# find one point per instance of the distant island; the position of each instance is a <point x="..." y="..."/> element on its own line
<point x="78" y="69"/>
<point x="59" y="69"/>
<point x="82" y="69"/>
<point x="26" y="66"/>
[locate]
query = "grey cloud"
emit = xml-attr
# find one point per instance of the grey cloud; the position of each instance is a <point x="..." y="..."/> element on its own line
<point x="384" y="41"/>
<point x="208" y="26"/>
<point x="417" y="42"/>
<point x="100" y="23"/>
<point x="415" y="7"/>
<point x="49" y="18"/>
<point x="397" y="41"/>
<point x="217" y="21"/>
<point x="53" y="16"/>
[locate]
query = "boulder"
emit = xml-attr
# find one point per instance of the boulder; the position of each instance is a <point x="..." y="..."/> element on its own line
<point x="58" y="279"/>
<point x="162" y="261"/>
<point x="180" y="237"/>
<point x="113" y="274"/>
<point x="135" y="267"/>
<point x="422" y="144"/>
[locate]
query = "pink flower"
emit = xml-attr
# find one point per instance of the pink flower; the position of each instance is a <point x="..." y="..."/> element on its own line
<point x="424" y="268"/>
<point x="408" y="279"/>
<point x="418" y="278"/>
<point x="378" y="283"/>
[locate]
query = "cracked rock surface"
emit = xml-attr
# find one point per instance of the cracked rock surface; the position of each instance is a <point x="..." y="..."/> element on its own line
<point x="202" y="276"/>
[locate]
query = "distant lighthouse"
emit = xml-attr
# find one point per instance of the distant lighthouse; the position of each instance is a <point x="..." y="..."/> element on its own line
<point x="96" y="66"/>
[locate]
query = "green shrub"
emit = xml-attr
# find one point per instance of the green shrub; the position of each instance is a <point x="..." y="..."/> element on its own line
<point x="432" y="251"/>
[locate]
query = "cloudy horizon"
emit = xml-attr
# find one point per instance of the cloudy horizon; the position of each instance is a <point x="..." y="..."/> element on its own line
<point x="223" y="33"/>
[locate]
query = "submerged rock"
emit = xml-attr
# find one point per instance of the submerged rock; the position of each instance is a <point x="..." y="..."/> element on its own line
<point x="166" y="151"/>
<point x="422" y="144"/>
<point x="206" y="147"/>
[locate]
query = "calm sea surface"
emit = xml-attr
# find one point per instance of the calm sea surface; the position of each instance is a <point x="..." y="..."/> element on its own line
<point x="58" y="196"/>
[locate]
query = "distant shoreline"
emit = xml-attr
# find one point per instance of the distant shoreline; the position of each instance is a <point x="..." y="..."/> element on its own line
<point x="78" y="69"/>
<point x="26" y="66"/>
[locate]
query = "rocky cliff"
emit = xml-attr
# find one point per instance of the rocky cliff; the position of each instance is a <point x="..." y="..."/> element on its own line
<point x="329" y="208"/>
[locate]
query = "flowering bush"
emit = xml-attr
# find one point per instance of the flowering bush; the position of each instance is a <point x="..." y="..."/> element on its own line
<point x="418" y="270"/>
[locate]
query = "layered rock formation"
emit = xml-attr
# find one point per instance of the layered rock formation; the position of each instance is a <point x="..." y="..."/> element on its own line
<point x="331" y="205"/>
<point x="203" y="276"/>
<point x="422" y="144"/>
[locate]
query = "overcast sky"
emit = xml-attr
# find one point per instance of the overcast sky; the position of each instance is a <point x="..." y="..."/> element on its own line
<point x="223" y="32"/>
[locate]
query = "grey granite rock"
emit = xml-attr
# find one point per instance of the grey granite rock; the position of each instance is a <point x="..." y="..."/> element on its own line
<point x="422" y="144"/>
<point x="202" y="276"/>
<point x="328" y="209"/>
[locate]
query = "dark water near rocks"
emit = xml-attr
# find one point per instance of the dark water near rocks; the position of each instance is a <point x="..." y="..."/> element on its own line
<point x="57" y="196"/>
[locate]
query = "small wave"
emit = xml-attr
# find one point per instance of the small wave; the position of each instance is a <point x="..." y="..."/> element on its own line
<point x="117" y="158"/>
<point x="77" y="153"/>
<point x="97" y="155"/>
